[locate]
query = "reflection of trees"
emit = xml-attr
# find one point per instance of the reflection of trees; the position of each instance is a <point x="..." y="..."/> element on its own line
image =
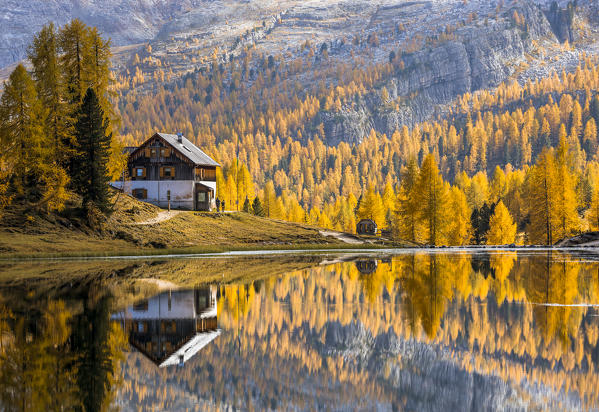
<point x="437" y="301"/>
<point x="374" y="282"/>
<point x="236" y="299"/>
<point x="553" y="288"/>
<point x="37" y="371"/>
<point x="53" y="359"/>
<point x="428" y="283"/>
<point x="98" y="343"/>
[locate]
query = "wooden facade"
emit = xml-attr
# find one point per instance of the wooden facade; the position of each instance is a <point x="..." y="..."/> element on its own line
<point x="175" y="321"/>
<point x="170" y="171"/>
<point x="157" y="160"/>
<point x="366" y="227"/>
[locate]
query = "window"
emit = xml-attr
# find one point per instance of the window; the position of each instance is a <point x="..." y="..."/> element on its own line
<point x="165" y="152"/>
<point x="140" y="193"/>
<point x="153" y="152"/>
<point x="140" y="172"/>
<point x="167" y="172"/>
<point x="201" y="196"/>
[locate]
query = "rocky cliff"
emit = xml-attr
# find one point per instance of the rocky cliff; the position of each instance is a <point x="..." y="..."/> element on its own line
<point x="481" y="56"/>
<point x="125" y="22"/>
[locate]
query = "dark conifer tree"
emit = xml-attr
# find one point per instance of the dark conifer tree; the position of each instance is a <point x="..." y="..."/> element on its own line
<point x="90" y="172"/>
<point x="247" y="208"/>
<point x="257" y="207"/>
<point x="480" y="220"/>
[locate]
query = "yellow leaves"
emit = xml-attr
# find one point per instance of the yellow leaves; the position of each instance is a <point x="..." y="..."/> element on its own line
<point x="432" y="196"/>
<point x="371" y="207"/>
<point x="117" y="161"/>
<point x="543" y="187"/>
<point x="459" y="229"/>
<point x="273" y="206"/>
<point x="502" y="229"/>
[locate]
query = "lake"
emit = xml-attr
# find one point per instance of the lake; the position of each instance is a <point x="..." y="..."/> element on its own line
<point x="446" y="330"/>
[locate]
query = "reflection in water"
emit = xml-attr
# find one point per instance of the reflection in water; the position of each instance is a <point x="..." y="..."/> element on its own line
<point x="440" y="331"/>
<point x="366" y="267"/>
<point x="172" y="327"/>
<point x="55" y="356"/>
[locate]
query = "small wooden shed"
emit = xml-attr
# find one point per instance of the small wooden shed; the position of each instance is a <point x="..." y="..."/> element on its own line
<point x="366" y="227"/>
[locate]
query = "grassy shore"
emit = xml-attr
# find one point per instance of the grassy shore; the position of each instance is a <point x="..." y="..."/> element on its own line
<point x="135" y="230"/>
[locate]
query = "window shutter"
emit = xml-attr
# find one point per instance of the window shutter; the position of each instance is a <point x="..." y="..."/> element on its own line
<point x="145" y="193"/>
<point x="173" y="172"/>
<point x="147" y="151"/>
<point x="143" y="172"/>
<point x="167" y="151"/>
<point x="162" y="172"/>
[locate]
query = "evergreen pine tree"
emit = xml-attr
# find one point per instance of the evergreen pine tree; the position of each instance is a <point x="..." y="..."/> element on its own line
<point x="257" y="207"/>
<point x="480" y="219"/>
<point x="93" y="144"/>
<point x="247" y="207"/>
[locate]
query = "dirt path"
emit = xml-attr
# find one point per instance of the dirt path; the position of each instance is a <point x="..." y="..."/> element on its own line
<point x="160" y="217"/>
<point x="344" y="237"/>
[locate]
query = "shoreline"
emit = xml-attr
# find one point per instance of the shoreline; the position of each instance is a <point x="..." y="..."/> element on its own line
<point x="305" y="249"/>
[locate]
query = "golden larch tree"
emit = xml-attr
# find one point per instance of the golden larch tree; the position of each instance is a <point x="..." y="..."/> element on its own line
<point x="502" y="229"/>
<point x="542" y="192"/>
<point x="432" y="196"/>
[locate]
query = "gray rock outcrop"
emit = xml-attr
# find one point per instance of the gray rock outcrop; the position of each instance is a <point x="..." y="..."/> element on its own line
<point x="481" y="57"/>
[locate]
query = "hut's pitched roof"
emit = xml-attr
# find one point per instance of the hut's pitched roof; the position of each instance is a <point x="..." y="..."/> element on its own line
<point x="188" y="149"/>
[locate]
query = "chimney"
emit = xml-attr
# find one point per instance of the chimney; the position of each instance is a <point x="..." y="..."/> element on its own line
<point x="180" y="137"/>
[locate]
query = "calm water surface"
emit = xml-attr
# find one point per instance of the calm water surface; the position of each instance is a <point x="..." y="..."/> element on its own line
<point x="447" y="331"/>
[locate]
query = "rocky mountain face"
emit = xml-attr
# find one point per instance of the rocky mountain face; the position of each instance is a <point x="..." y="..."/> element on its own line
<point x="481" y="56"/>
<point x="428" y="377"/>
<point x="446" y="47"/>
<point x="125" y="22"/>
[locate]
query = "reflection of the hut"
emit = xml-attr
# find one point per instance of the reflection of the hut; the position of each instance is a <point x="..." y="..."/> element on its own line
<point x="172" y="327"/>
<point x="367" y="267"/>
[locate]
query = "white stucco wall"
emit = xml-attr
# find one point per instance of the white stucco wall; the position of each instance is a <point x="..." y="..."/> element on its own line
<point x="182" y="307"/>
<point x="181" y="191"/>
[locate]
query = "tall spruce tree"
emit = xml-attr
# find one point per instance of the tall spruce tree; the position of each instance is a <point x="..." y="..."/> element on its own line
<point x="257" y="208"/>
<point x="247" y="207"/>
<point x="90" y="169"/>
